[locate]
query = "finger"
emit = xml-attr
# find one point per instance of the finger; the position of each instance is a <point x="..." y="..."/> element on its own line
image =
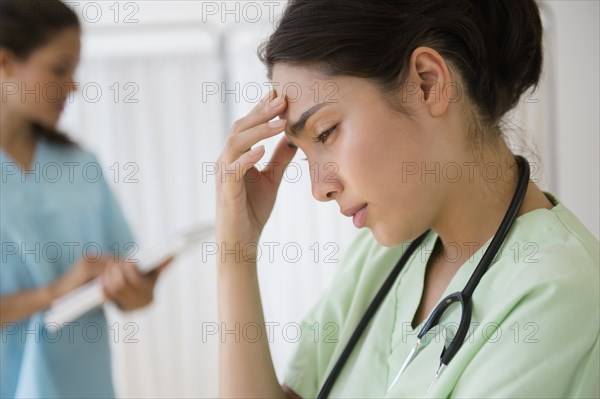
<point x="139" y="288"/>
<point x="117" y="285"/>
<point x="235" y="171"/>
<point x="101" y="265"/>
<point x="268" y="108"/>
<point x="280" y="160"/>
<point x="93" y="270"/>
<point x="107" y="284"/>
<point x="166" y="263"/>
<point x="132" y="275"/>
<point x="162" y="267"/>
<point x="110" y="284"/>
<point x="250" y="158"/>
<point x="153" y="275"/>
<point x="239" y="144"/>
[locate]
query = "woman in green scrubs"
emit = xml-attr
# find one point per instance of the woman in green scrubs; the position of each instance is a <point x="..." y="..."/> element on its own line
<point x="406" y="99"/>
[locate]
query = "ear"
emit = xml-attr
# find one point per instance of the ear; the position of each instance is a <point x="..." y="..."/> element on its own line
<point x="7" y="63"/>
<point x="431" y="76"/>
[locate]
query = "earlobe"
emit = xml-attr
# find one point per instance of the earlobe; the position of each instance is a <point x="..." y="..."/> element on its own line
<point x="433" y="76"/>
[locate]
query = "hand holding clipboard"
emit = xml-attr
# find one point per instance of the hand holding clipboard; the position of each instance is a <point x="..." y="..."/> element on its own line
<point x="90" y="296"/>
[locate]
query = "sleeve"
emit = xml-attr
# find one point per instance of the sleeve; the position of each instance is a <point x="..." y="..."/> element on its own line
<point x="322" y="325"/>
<point x="545" y="347"/>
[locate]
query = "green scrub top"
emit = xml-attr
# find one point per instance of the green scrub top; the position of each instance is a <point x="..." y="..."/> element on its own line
<point x="534" y="330"/>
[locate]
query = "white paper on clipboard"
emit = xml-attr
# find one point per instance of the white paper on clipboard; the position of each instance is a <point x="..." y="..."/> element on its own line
<point x="90" y="296"/>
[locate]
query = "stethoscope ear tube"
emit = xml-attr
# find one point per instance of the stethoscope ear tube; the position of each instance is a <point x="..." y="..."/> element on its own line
<point x="502" y="232"/>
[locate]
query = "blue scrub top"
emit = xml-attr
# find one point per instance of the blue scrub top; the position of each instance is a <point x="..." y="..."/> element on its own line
<point x="51" y="216"/>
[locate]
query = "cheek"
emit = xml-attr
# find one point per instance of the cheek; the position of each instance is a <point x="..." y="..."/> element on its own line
<point x="40" y="96"/>
<point x="380" y="170"/>
<point x="372" y="164"/>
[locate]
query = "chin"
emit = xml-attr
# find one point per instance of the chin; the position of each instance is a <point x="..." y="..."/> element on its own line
<point x="48" y="122"/>
<point x="390" y="237"/>
<point x="386" y="237"/>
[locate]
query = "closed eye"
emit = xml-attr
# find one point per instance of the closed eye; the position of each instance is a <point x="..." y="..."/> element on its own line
<point x="322" y="138"/>
<point x="60" y="72"/>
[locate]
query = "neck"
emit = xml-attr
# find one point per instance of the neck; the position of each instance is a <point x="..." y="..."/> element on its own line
<point x="14" y="130"/>
<point x="477" y="203"/>
<point x="17" y="138"/>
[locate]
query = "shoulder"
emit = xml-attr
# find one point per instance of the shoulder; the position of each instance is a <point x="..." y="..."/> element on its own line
<point x="555" y="246"/>
<point x="71" y="167"/>
<point x="66" y="152"/>
<point x="573" y="234"/>
<point x="548" y="271"/>
<point x="544" y="285"/>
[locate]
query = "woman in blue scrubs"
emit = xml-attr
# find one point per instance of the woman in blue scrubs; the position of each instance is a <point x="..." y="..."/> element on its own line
<point x="398" y="106"/>
<point x="61" y="225"/>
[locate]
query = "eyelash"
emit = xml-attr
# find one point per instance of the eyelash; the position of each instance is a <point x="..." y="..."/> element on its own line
<point x="322" y="138"/>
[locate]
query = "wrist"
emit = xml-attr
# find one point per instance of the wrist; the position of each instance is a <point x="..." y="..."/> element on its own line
<point x="234" y="252"/>
<point x="48" y="294"/>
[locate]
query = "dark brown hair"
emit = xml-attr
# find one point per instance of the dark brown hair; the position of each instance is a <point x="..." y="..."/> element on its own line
<point x="495" y="45"/>
<point x="26" y="25"/>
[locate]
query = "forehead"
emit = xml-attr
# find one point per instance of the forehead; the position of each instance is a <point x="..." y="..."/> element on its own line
<point x="306" y="86"/>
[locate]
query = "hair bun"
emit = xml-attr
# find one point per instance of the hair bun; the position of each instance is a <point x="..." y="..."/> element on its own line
<point x="512" y="31"/>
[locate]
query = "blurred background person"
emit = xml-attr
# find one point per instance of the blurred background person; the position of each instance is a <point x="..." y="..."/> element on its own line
<point x="59" y="229"/>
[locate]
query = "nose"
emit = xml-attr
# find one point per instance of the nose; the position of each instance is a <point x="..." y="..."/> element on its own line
<point x="325" y="182"/>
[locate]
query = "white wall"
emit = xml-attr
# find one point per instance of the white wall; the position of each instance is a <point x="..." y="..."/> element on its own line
<point x="172" y="54"/>
<point x="576" y="57"/>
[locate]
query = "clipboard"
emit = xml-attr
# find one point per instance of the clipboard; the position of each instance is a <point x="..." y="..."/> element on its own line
<point x="90" y="296"/>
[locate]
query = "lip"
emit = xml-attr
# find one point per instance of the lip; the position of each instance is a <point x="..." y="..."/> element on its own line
<point x="359" y="219"/>
<point x="349" y="212"/>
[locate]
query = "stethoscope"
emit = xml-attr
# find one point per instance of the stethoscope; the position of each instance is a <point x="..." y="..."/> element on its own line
<point x="462" y="297"/>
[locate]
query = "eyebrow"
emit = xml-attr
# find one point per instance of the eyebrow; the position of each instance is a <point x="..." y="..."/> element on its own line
<point x="299" y="125"/>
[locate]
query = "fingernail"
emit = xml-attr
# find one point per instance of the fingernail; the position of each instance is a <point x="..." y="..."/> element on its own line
<point x="277" y="123"/>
